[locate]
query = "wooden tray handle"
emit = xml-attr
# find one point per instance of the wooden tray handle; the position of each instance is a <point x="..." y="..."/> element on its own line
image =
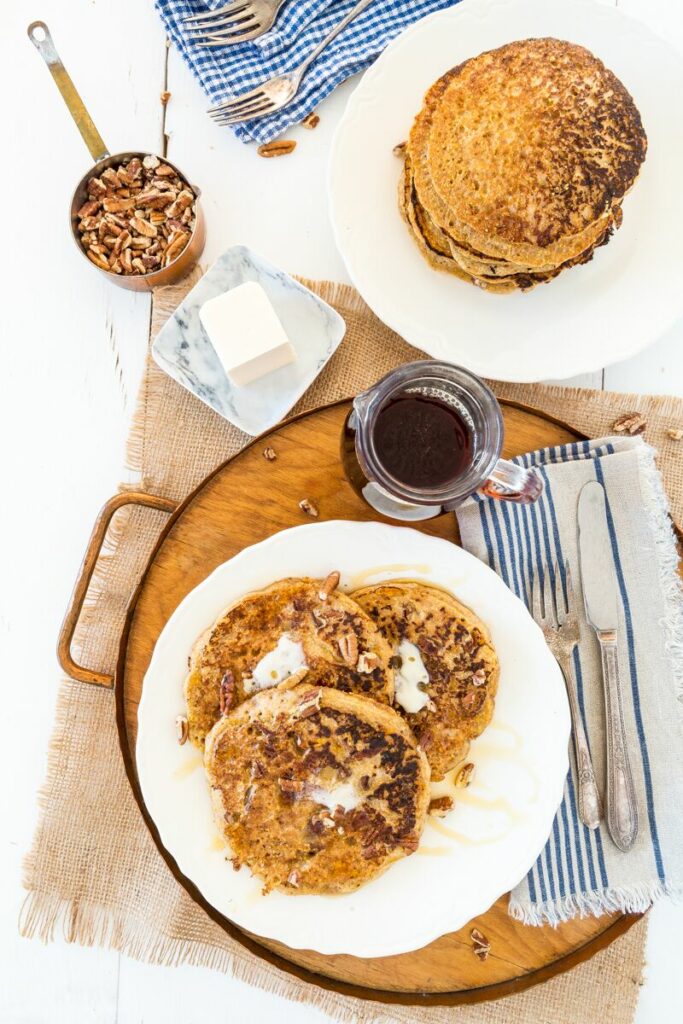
<point x="75" y="607"/>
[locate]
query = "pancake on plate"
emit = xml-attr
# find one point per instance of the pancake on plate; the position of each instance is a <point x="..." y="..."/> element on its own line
<point x="446" y="669"/>
<point x="293" y="627"/>
<point x="518" y="163"/>
<point x="316" y="790"/>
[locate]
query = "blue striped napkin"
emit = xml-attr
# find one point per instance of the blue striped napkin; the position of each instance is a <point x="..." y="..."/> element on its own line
<point x="229" y="71"/>
<point x="581" y="872"/>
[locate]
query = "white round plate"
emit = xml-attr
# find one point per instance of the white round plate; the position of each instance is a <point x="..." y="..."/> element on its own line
<point x="499" y="824"/>
<point x="607" y="310"/>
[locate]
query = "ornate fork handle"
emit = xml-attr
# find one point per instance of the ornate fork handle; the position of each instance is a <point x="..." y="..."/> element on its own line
<point x="353" y="13"/>
<point x="622" y="810"/>
<point x="590" y="806"/>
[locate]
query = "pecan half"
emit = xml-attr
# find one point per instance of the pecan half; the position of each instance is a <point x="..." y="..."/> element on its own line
<point x="464" y="775"/>
<point x="227" y="692"/>
<point x="311" y="120"/>
<point x="348" y="647"/>
<point x="279" y="147"/>
<point x="330" y="583"/>
<point x="181" y="727"/>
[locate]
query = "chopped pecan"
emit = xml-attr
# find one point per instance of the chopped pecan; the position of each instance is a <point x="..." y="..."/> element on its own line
<point x="440" y="806"/>
<point x="269" y="454"/>
<point x="311" y="120"/>
<point x="96" y="189"/>
<point x="367" y="662"/>
<point x="674" y="435"/>
<point x="400" y="149"/>
<point x="131" y="200"/>
<point x="307" y="506"/>
<point x="89" y="207"/>
<point x="630" y="423"/>
<point x="480" y="944"/>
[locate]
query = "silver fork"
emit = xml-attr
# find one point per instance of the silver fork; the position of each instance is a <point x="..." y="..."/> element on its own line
<point x="557" y="618"/>
<point x="279" y="91"/>
<point x="236" y="22"/>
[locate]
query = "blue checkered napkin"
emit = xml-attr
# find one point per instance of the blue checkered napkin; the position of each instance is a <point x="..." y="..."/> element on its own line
<point x="580" y="871"/>
<point x="229" y="71"/>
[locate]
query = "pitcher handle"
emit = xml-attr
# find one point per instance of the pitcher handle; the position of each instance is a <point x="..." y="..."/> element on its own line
<point x="510" y="482"/>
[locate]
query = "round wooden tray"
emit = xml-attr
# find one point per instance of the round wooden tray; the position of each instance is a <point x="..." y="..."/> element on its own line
<point x="244" y="501"/>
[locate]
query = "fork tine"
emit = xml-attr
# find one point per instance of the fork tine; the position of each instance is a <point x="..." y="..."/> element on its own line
<point x="207" y="41"/>
<point x="247" y="19"/>
<point x="560" y="605"/>
<point x="210" y="16"/>
<point x="233" y="105"/>
<point x="242" y="111"/>
<point x="536" y="609"/>
<point x="569" y="588"/>
<point x="248" y="116"/>
<point x="548" y="598"/>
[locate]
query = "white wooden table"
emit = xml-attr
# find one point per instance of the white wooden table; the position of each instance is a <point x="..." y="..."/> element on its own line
<point x="73" y="352"/>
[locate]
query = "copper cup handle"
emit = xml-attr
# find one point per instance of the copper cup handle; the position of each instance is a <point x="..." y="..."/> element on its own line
<point x="39" y="34"/>
<point x="85" y="573"/>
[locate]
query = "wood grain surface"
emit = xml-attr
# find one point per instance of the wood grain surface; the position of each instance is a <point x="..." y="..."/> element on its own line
<point x="243" y="502"/>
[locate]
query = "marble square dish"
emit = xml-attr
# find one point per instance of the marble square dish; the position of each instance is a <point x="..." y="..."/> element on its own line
<point x="183" y="350"/>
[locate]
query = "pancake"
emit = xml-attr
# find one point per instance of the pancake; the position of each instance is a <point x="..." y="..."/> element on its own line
<point x="291" y="627"/>
<point x="433" y="243"/>
<point x="315" y="790"/>
<point x="524" y="153"/>
<point x="448" y="679"/>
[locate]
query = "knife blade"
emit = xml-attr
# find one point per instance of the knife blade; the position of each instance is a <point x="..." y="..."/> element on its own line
<point x="595" y="556"/>
<point x="601" y="600"/>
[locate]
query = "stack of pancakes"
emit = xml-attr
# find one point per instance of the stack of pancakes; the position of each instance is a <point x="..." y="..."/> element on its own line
<point x="319" y="767"/>
<point x="518" y="162"/>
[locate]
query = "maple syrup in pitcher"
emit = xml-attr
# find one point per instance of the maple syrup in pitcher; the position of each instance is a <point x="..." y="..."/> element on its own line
<point x="426" y="437"/>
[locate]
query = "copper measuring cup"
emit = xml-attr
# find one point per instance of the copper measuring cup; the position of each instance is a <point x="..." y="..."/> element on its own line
<point x="39" y="34"/>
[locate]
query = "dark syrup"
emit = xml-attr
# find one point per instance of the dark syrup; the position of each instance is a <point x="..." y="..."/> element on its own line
<point x="422" y="442"/>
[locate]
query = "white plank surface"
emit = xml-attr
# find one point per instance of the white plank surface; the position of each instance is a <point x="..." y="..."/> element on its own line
<point x="73" y="351"/>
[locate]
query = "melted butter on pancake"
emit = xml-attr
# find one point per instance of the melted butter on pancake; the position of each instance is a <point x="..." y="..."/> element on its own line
<point x="411" y="679"/>
<point x="283" y="661"/>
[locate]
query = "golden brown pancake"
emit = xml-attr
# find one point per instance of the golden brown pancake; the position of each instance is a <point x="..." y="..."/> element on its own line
<point x="338" y="645"/>
<point x="461" y="664"/>
<point x="315" y="790"/>
<point x="524" y="154"/>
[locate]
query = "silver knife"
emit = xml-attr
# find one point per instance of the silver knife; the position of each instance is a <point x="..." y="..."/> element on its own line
<point x="599" y="583"/>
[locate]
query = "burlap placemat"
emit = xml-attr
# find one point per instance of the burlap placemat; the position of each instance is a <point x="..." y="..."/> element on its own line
<point x="93" y="871"/>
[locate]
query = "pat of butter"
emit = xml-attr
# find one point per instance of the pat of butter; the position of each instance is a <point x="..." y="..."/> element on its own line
<point x="245" y="331"/>
<point x="344" y="795"/>
<point x="276" y="666"/>
<point x="410" y="679"/>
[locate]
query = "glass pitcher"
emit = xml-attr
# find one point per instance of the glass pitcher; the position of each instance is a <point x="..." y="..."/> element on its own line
<point x="406" y="493"/>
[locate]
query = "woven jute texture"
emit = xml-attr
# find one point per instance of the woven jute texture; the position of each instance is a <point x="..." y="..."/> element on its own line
<point x="93" y="872"/>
